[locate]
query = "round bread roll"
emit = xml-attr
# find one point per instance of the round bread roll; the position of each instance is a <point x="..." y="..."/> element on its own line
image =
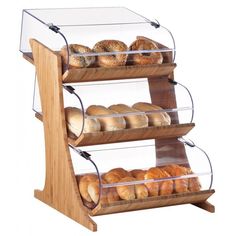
<point x="83" y="186"/>
<point x="154" y="119"/>
<point x="180" y="185"/>
<point x="144" y="58"/>
<point x="126" y="192"/>
<point x="132" y="121"/>
<point x="108" y="123"/>
<point x="94" y="191"/>
<point x="74" y="120"/>
<point x="111" y="46"/>
<point x="114" y="175"/>
<point x="76" y="60"/>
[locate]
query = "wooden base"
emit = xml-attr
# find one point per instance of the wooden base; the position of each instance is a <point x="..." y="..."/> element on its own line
<point x="75" y="212"/>
<point x="205" y="206"/>
<point x="153" y="202"/>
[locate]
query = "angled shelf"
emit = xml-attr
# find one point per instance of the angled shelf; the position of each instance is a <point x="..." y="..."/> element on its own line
<point x="103" y="137"/>
<point x="154" y="202"/>
<point x="121" y="72"/>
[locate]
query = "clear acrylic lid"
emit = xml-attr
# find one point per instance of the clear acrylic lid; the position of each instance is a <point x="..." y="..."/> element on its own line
<point x="85" y="26"/>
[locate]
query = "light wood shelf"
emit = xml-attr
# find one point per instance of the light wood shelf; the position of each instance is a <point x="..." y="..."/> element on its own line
<point x="75" y="75"/>
<point x="152" y="202"/>
<point x="103" y="137"/>
<point x="124" y="72"/>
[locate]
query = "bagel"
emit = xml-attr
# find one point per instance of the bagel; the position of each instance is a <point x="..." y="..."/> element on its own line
<point x="111" y="46"/>
<point x="76" y="60"/>
<point x="144" y="58"/>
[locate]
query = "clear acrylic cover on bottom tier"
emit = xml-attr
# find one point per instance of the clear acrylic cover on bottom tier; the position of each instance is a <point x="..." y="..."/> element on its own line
<point x="140" y="170"/>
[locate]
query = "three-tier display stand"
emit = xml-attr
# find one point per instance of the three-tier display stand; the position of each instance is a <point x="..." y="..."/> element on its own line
<point x="61" y="189"/>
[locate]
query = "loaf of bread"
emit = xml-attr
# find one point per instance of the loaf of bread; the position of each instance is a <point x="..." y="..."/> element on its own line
<point x="155" y="118"/>
<point x="133" y="120"/>
<point x="180" y="185"/>
<point x="109" y="123"/>
<point x="74" y="121"/>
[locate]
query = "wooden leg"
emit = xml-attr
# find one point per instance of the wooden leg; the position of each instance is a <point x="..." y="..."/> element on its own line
<point x="61" y="190"/>
<point x="205" y="206"/>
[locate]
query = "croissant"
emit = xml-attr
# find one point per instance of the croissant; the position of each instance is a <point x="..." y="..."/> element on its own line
<point x="180" y="185"/>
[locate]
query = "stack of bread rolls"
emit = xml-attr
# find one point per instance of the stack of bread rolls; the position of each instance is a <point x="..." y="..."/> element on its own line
<point x="89" y="184"/>
<point x="115" y="117"/>
<point x="78" y="59"/>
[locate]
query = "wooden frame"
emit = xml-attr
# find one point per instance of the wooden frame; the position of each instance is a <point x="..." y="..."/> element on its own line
<point x="61" y="190"/>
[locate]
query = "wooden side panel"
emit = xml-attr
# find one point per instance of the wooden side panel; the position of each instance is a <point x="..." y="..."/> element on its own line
<point x="60" y="190"/>
<point x="166" y="100"/>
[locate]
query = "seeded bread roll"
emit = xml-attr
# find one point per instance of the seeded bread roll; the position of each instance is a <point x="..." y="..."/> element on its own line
<point x="132" y="121"/>
<point x="154" y="119"/>
<point x="74" y="121"/>
<point x="108" y="123"/>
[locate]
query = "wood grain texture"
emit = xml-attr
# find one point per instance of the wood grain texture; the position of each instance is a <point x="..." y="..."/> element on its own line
<point x="126" y="135"/>
<point x="162" y="132"/>
<point x="205" y="206"/>
<point x="152" y="202"/>
<point x="121" y="72"/>
<point x="60" y="190"/>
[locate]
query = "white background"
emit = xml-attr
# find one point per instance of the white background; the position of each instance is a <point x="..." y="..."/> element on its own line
<point x="205" y="38"/>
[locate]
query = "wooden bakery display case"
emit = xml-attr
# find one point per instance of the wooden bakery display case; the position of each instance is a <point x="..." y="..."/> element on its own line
<point x="114" y="117"/>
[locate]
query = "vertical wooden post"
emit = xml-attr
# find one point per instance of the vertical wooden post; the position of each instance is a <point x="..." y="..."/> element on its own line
<point x="60" y="190"/>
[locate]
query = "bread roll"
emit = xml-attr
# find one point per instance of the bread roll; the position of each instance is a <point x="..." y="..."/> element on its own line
<point x="112" y="195"/>
<point x="114" y="175"/>
<point x="193" y="183"/>
<point x="107" y="123"/>
<point x="94" y="191"/>
<point x="83" y="185"/>
<point x="132" y="121"/>
<point x="138" y="174"/>
<point x="74" y="120"/>
<point x="180" y="185"/>
<point x="126" y="192"/>
<point x="158" y="188"/>
<point x="154" y="119"/>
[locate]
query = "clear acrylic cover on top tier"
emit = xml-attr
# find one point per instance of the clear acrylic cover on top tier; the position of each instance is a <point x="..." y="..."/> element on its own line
<point x="113" y="36"/>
